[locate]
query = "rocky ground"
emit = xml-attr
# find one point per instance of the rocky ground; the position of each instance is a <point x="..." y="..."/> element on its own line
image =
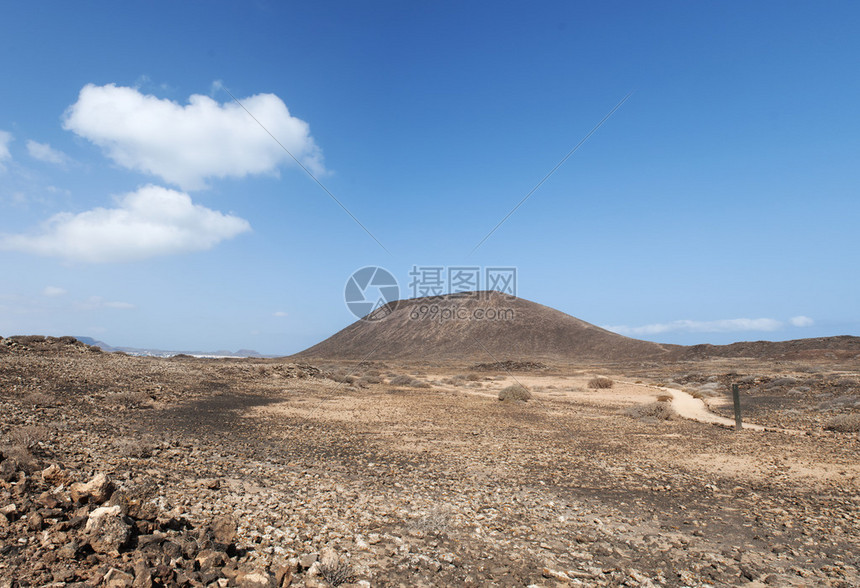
<point x="127" y="471"/>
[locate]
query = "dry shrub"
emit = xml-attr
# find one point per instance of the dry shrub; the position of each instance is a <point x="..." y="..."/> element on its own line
<point x="435" y="522"/>
<point x="780" y="382"/>
<point x="130" y="447"/>
<point x="600" y="382"/>
<point x="130" y="398"/>
<point x="336" y="571"/>
<point x="514" y="393"/>
<point x="658" y="411"/>
<point x="27" y="437"/>
<point x="38" y="399"/>
<point x="844" y="423"/>
<point x="342" y="378"/>
<point x="367" y="380"/>
<point x="402" y="380"/>
<point x="664" y="398"/>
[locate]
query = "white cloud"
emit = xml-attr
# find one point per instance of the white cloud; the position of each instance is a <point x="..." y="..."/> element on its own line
<point x="5" y="155"/>
<point x="149" y="222"/>
<point x="97" y="302"/>
<point x="119" y="305"/>
<point x="280" y="314"/>
<point x="54" y="291"/>
<point x="44" y="152"/>
<point x="718" y="326"/>
<point x="802" y="321"/>
<point x="185" y="145"/>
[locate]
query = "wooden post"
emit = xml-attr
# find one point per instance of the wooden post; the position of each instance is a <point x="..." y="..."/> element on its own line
<point x="737" y="399"/>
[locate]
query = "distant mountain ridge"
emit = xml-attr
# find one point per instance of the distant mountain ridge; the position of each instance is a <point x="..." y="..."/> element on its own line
<point x="841" y="346"/>
<point x="165" y="353"/>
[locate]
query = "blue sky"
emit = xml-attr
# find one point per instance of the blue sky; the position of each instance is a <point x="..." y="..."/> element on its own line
<point x="140" y="205"/>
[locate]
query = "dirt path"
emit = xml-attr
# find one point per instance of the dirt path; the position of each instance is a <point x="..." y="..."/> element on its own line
<point x="690" y="407"/>
<point x="624" y="393"/>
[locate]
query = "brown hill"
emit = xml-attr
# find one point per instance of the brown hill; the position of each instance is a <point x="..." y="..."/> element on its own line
<point x="478" y="326"/>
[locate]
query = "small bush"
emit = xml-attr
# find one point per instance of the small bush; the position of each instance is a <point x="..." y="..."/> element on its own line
<point x="27" y="438"/>
<point x="844" y="423"/>
<point x="600" y="382"/>
<point x="435" y="522"/>
<point x="658" y="411"/>
<point x="367" y="380"/>
<point x="336" y="571"/>
<point x="514" y="393"/>
<point x="780" y="382"/>
<point x="130" y="398"/>
<point x="664" y="398"/>
<point x="342" y="378"/>
<point x="129" y="447"/>
<point x="38" y="399"/>
<point x="402" y="380"/>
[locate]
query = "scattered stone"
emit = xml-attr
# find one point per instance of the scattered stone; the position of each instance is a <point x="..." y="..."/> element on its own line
<point x="96" y="491"/>
<point x="107" y="530"/>
<point x="118" y="579"/>
<point x="224" y="530"/>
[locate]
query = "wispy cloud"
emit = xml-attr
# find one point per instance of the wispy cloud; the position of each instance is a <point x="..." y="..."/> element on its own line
<point x="54" y="291"/>
<point x="279" y="314"/>
<point x="801" y="321"/>
<point x="5" y="155"/>
<point x="690" y="326"/>
<point x="149" y="222"/>
<point x="97" y="302"/>
<point x="44" y="152"/>
<point x="188" y="144"/>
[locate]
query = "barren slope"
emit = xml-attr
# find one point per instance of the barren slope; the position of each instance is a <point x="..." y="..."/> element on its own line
<point x="479" y="326"/>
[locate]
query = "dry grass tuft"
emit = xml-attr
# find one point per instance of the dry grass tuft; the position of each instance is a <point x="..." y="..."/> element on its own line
<point x="435" y="522"/>
<point x="844" y="423"/>
<point x="514" y="393"/>
<point x="342" y="378"/>
<point x="27" y="438"/>
<point x="368" y="380"/>
<point x="132" y="447"/>
<point x="38" y="399"/>
<point x="336" y="571"/>
<point x="130" y="399"/>
<point x="402" y="380"/>
<point x="655" y="411"/>
<point x="600" y="382"/>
